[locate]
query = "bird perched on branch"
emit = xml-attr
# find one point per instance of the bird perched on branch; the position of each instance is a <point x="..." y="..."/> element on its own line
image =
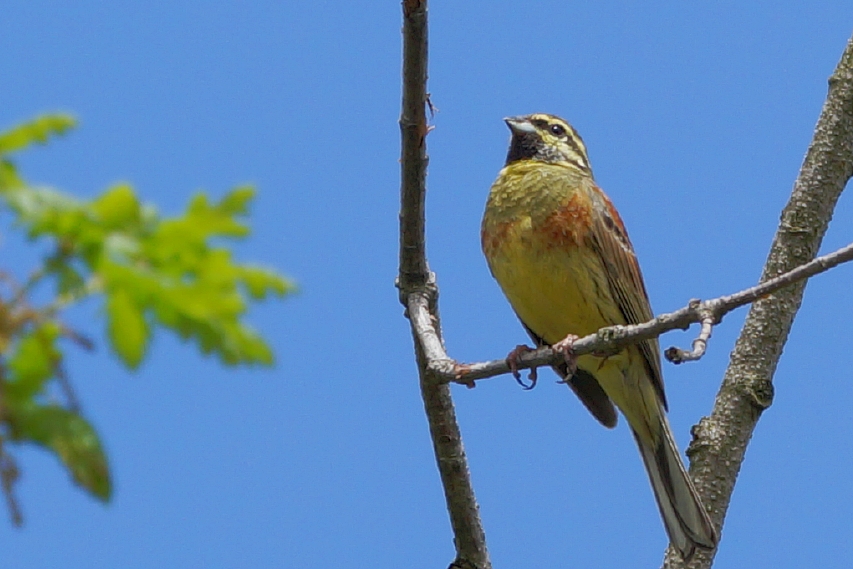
<point x="561" y="255"/>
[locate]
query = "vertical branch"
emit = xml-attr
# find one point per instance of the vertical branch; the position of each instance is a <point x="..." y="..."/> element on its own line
<point x="417" y="288"/>
<point x="720" y="440"/>
<point x="414" y="270"/>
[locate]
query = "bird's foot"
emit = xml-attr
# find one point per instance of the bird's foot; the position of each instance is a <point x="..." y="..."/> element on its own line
<point x="566" y="346"/>
<point x="512" y="362"/>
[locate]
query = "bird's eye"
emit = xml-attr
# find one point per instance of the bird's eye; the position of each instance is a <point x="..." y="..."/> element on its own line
<point x="557" y="130"/>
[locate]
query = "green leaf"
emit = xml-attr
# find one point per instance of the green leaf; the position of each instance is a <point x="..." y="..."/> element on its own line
<point x="252" y="347"/>
<point x="260" y="282"/>
<point x="70" y="437"/>
<point x="43" y="210"/>
<point x="69" y="279"/>
<point x="128" y="330"/>
<point x="117" y="207"/>
<point x="36" y="130"/>
<point x="9" y="176"/>
<point x="33" y="362"/>
<point x="236" y="202"/>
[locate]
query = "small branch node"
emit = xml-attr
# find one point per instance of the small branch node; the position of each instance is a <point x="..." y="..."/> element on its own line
<point x="444" y="369"/>
<point x="460" y="371"/>
<point x="761" y="394"/>
<point x="460" y="563"/>
<point x="700" y="344"/>
<point x="611" y="336"/>
<point x="430" y="106"/>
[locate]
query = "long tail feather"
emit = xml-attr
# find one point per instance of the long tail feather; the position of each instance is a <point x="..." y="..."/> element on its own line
<point x="686" y="521"/>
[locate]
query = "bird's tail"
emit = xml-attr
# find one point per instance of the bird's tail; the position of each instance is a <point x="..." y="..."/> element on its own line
<point x="686" y="521"/>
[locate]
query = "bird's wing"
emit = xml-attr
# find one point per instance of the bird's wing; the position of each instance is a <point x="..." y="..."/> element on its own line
<point x="611" y="243"/>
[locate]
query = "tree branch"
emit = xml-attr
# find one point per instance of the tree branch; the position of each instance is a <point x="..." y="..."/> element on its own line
<point x="614" y="338"/>
<point x="419" y="293"/>
<point x="720" y="440"/>
<point x="413" y="130"/>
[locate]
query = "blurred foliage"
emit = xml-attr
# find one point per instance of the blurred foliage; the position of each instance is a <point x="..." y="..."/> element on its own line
<point x="150" y="272"/>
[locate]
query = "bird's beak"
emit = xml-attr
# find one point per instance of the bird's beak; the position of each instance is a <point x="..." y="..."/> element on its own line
<point x="519" y="125"/>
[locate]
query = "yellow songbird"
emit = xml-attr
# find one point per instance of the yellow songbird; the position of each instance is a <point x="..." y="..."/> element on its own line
<point x="562" y="257"/>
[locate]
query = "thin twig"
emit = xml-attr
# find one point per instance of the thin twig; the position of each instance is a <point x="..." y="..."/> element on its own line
<point x="616" y="337"/>
<point x="72" y="402"/>
<point x="9" y="475"/>
<point x="700" y="344"/>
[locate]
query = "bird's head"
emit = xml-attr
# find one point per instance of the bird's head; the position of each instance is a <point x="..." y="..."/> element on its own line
<point x="546" y="138"/>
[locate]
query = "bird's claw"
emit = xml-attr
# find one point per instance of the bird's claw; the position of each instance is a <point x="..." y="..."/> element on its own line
<point x="512" y="362"/>
<point x="566" y="346"/>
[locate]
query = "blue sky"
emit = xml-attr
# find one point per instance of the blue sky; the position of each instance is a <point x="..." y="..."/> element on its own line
<point x="696" y="120"/>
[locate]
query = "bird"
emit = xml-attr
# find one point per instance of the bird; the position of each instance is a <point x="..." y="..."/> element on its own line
<point x="560" y="253"/>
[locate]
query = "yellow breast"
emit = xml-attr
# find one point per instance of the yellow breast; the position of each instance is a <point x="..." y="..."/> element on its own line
<point x="536" y="240"/>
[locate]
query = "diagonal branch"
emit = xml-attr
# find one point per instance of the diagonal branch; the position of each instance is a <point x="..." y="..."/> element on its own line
<point x="720" y="440"/>
<point x="417" y="287"/>
<point x="614" y="338"/>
